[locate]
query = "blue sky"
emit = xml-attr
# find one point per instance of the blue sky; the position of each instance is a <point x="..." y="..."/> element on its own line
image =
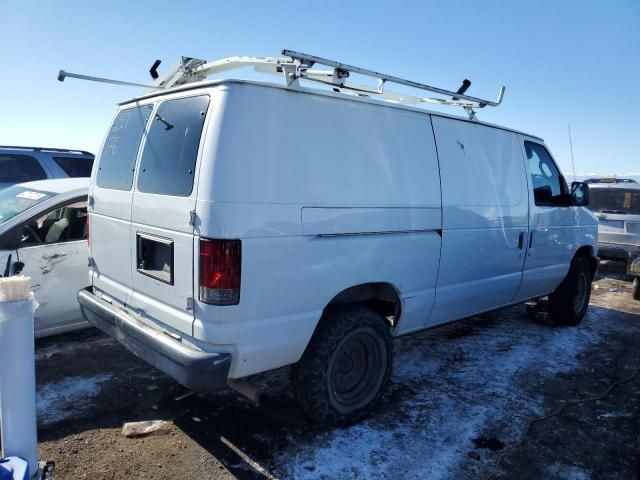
<point x="563" y="62"/>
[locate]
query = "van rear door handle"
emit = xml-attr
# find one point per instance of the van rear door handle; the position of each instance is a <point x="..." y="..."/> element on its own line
<point x="531" y="239"/>
<point x="521" y="240"/>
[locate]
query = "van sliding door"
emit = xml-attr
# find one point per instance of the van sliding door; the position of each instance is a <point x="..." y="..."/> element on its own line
<point x="485" y="218"/>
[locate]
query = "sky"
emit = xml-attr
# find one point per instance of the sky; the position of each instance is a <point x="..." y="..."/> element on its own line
<point x="564" y="63"/>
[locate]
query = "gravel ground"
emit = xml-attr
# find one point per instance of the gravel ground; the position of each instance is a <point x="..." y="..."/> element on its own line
<point x="458" y="407"/>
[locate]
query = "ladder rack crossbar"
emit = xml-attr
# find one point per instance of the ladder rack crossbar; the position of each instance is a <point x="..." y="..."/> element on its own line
<point x="311" y="60"/>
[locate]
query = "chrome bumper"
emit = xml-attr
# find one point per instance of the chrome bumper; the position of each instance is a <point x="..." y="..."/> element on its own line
<point x="195" y="369"/>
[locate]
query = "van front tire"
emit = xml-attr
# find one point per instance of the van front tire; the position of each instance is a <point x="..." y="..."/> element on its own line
<point x="345" y="367"/>
<point x="569" y="303"/>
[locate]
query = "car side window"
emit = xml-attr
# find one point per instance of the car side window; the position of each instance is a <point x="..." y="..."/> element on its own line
<point x="66" y="223"/>
<point x="549" y="187"/>
<point x="75" y="166"/>
<point x="20" y="168"/>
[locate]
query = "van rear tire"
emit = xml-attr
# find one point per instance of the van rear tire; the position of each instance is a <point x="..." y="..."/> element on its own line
<point x="346" y="366"/>
<point x="569" y="303"/>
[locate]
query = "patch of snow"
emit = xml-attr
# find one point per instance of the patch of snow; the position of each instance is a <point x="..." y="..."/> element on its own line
<point x="568" y="472"/>
<point x="461" y="383"/>
<point x="59" y="400"/>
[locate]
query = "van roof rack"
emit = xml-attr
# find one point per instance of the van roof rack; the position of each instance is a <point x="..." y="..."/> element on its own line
<point x="296" y="66"/>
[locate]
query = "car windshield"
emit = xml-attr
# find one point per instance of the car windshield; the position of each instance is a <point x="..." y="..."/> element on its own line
<point x="615" y="200"/>
<point x="16" y="199"/>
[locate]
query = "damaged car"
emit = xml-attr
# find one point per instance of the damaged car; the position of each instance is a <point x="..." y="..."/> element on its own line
<point x="43" y="234"/>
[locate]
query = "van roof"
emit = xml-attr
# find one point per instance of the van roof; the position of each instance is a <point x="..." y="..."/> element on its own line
<point x="313" y="91"/>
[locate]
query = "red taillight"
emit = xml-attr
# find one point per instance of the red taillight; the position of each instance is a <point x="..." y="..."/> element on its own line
<point x="220" y="272"/>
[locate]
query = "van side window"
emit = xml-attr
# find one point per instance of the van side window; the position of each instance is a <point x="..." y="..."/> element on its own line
<point x="118" y="157"/>
<point x="169" y="155"/>
<point x="549" y="188"/>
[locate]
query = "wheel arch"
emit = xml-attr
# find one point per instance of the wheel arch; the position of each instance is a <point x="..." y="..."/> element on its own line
<point x="381" y="297"/>
<point x="586" y="251"/>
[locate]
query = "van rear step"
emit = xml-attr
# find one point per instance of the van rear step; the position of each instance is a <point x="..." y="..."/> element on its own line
<point x="197" y="370"/>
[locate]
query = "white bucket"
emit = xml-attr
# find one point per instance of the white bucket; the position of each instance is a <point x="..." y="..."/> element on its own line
<point x="17" y="371"/>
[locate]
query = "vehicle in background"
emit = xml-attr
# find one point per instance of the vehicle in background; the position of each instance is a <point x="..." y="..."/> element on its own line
<point x="633" y="268"/>
<point x="617" y="206"/>
<point x="592" y="181"/>
<point x="28" y="164"/>
<point x="43" y="234"/>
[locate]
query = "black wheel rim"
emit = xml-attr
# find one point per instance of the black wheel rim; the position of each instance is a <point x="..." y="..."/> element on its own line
<point x="357" y="370"/>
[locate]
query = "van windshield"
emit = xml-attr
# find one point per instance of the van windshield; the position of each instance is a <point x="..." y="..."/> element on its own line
<point x="615" y="200"/>
<point x="15" y="200"/>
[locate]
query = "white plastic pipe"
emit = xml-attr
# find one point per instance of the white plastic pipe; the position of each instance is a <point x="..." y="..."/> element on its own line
<point x="17" y="371"/>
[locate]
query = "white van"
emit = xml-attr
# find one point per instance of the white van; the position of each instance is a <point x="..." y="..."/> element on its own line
<point x="237" y="227"/>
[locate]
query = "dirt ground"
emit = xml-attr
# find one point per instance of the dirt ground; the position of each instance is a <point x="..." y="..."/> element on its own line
<point x="460" y="402"/>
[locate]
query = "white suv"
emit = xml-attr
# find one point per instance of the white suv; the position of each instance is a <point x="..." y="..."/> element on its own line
<point x="238" y="227"/>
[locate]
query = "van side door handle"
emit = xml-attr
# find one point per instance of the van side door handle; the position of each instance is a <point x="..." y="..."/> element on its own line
<point x="521" y="240"/>
<point x="531" y="239"/>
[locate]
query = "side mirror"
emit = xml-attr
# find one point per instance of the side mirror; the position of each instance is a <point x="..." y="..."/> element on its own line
<point x="579" y="194"/>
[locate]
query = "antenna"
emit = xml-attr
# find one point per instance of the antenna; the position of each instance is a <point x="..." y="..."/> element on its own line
<point x="573" y="165"/>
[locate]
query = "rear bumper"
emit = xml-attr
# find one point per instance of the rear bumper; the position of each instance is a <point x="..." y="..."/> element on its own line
<point x="615" y="250"/>
<point x="195" y="369"/>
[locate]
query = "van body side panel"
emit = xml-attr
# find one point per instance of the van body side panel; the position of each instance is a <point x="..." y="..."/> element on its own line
<point x="287" y="282"/>
<point x="485" y="218"/>
<point x="346" y="221"/>
<point x="324" y="195"/>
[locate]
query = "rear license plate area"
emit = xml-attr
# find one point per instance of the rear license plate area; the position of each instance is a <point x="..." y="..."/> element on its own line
<point x="154" y="257"/>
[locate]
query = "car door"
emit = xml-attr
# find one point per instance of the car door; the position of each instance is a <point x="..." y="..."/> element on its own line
<point x="550" y="244"/>
<point x="53" y="252"/>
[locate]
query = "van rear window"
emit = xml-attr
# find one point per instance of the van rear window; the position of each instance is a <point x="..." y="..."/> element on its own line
<point x="170" y="150"/>
<point x="118" y="157"/>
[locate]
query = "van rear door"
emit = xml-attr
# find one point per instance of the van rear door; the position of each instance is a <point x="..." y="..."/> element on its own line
<point x="162" y="234"/>
<point x="110" y="203"/>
